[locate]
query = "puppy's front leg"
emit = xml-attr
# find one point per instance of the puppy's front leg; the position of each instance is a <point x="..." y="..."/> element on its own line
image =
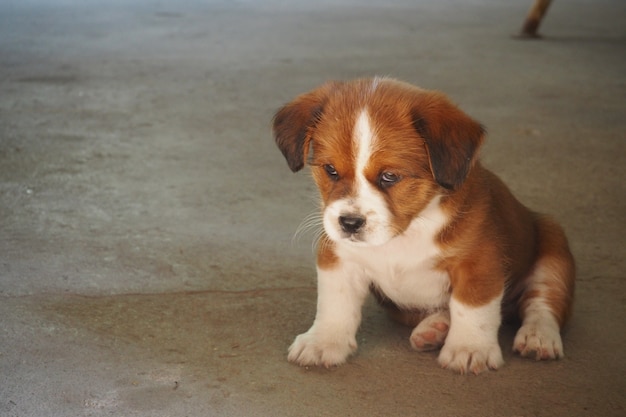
<point x="331" y="339"/>
<point x="472" y="341"/>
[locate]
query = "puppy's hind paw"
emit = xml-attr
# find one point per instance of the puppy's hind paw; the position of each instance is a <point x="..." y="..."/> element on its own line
<point x="542" y="342"/>
<point x="431" y="332"/>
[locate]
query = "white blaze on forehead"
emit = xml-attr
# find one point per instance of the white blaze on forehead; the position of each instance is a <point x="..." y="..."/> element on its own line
<point x="369" y="201"/>
<point x="366" y="200"/>
<point x="364" y="141"/>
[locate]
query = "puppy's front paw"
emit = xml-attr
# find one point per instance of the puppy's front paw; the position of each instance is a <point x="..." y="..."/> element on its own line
<point x="539" y="340"/>
<point x="312" y="348"/>
<point x="475" y="358"/>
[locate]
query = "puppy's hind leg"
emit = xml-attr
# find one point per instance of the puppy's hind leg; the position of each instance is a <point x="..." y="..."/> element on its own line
<point x="546" y="303"/>
<point x="429" y="328"/>
<point x="430" y="333"/>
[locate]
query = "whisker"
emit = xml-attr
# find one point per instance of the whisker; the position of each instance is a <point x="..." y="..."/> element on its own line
<point x="321" y="241"/>
<point x="312" y="223"/>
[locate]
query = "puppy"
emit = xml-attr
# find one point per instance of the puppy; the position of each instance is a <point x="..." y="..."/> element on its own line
<point x="410" y="214"/>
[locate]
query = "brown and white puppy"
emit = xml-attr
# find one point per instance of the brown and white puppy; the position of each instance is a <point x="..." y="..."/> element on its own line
<point x="410" y="214"/>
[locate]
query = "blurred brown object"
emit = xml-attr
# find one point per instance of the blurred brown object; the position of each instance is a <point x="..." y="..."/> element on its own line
<point x="533" y="20"/>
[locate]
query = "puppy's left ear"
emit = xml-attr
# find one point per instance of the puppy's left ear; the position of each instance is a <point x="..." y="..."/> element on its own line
<point x="292" y="124"/>
<point x="452" y="138"/>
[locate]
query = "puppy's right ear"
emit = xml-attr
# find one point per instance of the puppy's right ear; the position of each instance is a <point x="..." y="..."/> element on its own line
<point x="293" y="124"/>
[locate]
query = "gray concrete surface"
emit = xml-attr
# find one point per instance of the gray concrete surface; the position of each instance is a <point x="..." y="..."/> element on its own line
<point x="147" y="266"/>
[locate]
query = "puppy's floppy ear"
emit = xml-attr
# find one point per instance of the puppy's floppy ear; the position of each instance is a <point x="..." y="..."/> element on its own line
<point x="451" y="136"/>
<point x="293" y="122"/>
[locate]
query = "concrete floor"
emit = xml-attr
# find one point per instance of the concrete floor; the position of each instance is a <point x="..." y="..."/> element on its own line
<point x="147" y="266"/>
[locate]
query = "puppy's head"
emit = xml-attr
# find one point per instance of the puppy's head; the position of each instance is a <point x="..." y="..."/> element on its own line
<point x="380" y="150"/>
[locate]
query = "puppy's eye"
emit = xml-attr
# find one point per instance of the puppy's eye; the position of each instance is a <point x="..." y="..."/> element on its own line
<point x="331" y="171"/>
<point x="387" y="179"/>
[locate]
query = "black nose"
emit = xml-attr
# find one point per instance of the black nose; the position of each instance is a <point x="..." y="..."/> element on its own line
<point x="351" y="224"/>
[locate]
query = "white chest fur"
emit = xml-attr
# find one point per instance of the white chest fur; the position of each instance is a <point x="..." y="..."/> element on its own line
<point x="404" y="267"/>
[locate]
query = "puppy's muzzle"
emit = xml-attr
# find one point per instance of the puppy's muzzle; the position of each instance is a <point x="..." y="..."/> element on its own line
<point x="351" y="224"/>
